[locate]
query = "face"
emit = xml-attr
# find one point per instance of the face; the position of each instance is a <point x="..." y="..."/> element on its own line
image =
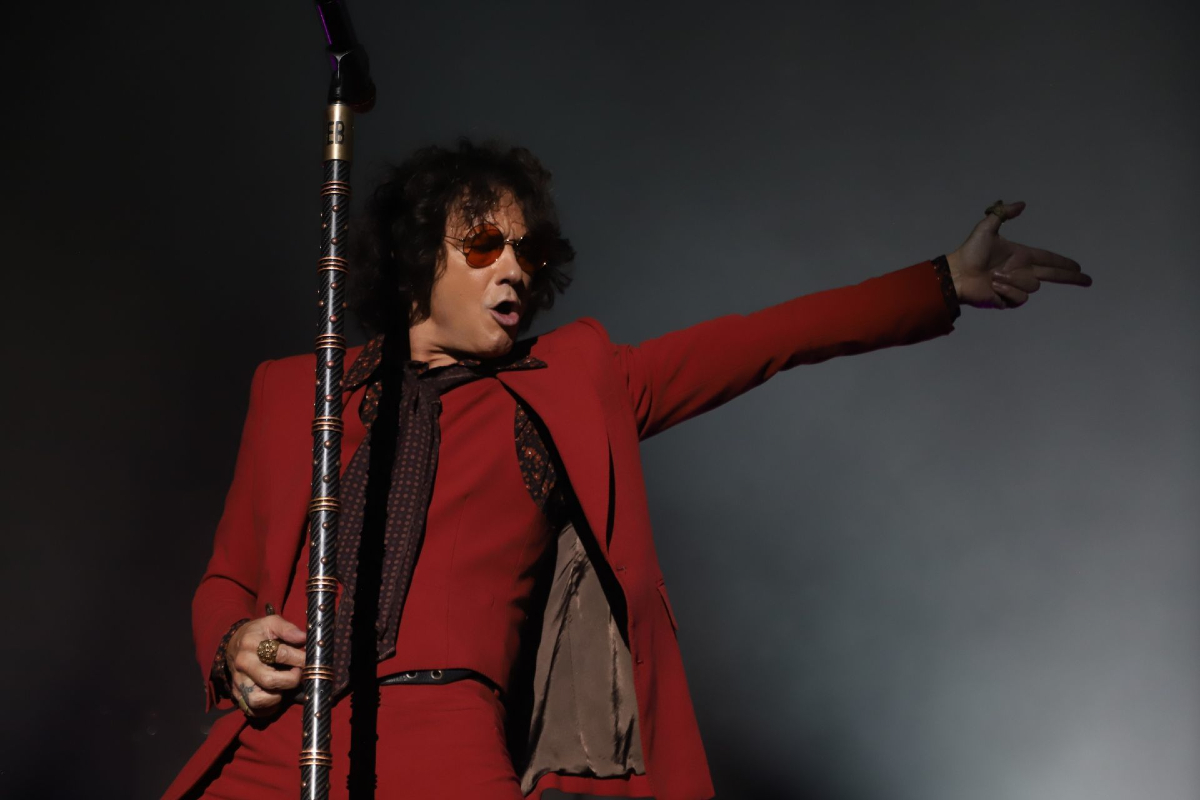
<point x="464" y="321"/>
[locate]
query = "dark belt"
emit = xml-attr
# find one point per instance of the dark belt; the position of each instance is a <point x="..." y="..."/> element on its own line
<point x="414" y="676"/>
<point x="436" y="676"/>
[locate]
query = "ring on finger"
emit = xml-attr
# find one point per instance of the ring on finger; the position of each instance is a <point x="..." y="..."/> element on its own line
<point x="268" y="650"/>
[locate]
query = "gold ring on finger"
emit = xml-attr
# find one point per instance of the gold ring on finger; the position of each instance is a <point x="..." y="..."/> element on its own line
<point x="268" y="649"/>
<point x="997" y="208"/>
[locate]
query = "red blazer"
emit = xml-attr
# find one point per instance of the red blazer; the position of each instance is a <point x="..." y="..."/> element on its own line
<point x="598" y="400"/>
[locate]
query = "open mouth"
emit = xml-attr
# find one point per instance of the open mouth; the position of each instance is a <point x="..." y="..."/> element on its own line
<point x="506" y="313"/>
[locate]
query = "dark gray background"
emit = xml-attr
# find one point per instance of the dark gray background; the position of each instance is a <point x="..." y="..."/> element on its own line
<point x="966" y="568"/>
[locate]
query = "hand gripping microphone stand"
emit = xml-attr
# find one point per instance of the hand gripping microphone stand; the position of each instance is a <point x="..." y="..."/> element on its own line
<point x="350" y="90"/>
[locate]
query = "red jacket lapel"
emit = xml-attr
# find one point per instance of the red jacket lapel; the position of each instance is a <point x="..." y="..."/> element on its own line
<point x="563" y="396"/>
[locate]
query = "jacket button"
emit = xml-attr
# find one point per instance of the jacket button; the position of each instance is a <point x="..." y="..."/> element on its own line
<point x="638" y="660"/>
<point x="620" y="568"/>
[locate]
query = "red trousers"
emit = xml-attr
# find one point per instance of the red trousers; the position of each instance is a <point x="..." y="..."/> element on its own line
<point x="435" y="741"/>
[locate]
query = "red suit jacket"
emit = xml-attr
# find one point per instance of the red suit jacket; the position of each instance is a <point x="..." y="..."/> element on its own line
<point x="598" y="400"/>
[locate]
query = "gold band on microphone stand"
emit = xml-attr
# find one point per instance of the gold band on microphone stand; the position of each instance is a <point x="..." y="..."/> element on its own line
<point x="321" y="584"/>
<point x="335" y="187"/>
<point x="315" y="758"/>
<point x="327" y="424"/>
<point x="317" y="674"/>
<point x="331" y="341"/>
<point x="323" y="504"/>
<point x="331" y="264"/>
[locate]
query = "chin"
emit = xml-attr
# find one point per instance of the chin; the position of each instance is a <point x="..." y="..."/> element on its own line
<point x="498" y="346"/>
<point x="500" y="349"/>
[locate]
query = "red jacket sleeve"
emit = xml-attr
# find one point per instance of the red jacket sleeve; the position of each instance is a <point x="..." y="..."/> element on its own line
<point x="228" y="589"/>
<point x="677" y="376"/>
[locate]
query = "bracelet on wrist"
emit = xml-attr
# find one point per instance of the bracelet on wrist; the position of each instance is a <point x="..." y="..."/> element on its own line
<point x="941" y="267"/>
<point x="219" y="674"/>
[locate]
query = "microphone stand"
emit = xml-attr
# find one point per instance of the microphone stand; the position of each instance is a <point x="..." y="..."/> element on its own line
<point x="350" y="90"/>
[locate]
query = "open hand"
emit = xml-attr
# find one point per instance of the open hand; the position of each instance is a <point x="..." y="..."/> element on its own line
<point x="989" y="271"/>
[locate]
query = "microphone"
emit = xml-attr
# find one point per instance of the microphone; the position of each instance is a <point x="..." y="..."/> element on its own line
<point x="351" y="83"/>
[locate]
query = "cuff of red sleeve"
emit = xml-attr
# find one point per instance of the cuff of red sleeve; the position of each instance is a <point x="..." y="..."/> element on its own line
<point x="219" y="680"/>
<point x="942" y="268"/>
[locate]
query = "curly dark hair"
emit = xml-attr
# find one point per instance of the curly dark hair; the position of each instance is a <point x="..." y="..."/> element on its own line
<point x="399" y="234"/>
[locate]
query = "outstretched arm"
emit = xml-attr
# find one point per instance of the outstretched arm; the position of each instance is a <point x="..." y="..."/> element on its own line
<point x="684" y="373"/>
<point x="687" y="372"/>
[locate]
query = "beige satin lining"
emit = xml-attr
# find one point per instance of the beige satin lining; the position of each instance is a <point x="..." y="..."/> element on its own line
<point x="584" y="718"/>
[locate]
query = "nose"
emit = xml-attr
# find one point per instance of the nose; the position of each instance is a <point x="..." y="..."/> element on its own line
<point x="506" y="267"/>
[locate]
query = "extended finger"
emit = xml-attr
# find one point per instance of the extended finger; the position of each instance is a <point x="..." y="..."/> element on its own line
<point x="1056" y="275"/>
<point x="1023" y="279"/>
<point x="1044" y="258"/>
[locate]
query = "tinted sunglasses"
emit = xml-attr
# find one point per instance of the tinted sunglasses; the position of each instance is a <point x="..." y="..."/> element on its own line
<point x="484" y="243"/>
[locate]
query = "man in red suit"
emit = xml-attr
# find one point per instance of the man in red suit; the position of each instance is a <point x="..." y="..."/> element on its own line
<point x="532" y="644"/>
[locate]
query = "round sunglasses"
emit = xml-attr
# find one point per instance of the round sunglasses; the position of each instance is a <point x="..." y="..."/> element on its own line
<point x="484" y="243"/>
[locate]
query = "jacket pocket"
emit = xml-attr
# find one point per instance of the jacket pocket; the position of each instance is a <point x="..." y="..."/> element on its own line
<point x="662" y="592"/>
